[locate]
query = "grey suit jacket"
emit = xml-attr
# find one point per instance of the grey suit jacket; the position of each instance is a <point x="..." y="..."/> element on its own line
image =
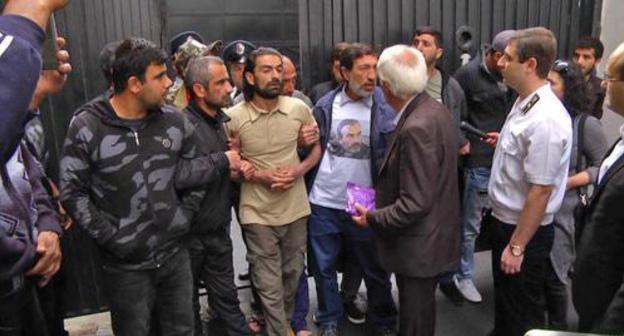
<point x="417" y="221"/>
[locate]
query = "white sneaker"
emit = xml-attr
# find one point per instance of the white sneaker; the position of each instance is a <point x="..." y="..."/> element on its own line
<point x="467" y="288"/>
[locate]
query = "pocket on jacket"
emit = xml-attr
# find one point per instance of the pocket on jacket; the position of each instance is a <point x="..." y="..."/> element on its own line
<point x="8" y="224"/>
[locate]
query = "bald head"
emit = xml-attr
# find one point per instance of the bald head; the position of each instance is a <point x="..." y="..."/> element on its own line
<point x="402" y="69"/>
<point x="615" y="65"/>
<point x="615" y="81"/>
<point x="290" y="76"/>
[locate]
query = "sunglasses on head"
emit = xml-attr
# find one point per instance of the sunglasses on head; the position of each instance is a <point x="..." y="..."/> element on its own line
<point x="561" y="67"/>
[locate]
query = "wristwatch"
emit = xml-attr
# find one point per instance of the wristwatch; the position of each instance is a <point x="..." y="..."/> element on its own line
<point x="516" y="250"/>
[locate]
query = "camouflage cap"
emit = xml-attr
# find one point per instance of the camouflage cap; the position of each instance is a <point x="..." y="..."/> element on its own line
<point x="189" y="49"/>
<point x="181" y="38"/>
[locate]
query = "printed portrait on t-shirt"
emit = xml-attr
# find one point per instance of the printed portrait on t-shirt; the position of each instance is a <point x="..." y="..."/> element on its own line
<point x="350" y="139"/>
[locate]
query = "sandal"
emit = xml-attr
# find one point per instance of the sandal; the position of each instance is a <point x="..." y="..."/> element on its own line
<point x="256" y="324"/>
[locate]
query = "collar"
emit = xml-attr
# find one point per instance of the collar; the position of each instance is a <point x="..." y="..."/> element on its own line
<point x="255" y="112"/>
<point x="344" y="99"/>
<point x="213" y="121"/>
<point x="526" y="104"/>
<point x="398" y="116"/>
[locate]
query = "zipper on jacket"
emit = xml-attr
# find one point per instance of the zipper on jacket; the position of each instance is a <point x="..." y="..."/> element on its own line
<point x="136" y="137"/>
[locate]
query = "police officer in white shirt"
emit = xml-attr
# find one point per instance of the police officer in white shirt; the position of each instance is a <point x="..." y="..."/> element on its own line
<point x="528" y="182"/>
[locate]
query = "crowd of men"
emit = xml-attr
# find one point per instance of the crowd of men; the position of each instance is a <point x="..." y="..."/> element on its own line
<point x="152" y="168"/>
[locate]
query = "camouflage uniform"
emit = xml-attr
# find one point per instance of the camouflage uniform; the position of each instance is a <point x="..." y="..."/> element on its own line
<point x="118" y="181"/>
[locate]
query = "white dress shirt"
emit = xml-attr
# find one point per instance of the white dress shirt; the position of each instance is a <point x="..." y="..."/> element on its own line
<point x="533" y="148"/>
<point x="615" y="154"/>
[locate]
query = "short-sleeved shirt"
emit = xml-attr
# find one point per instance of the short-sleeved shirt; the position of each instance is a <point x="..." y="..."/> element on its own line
<point x="533" y="148"/>
<point x="269" y="140"/>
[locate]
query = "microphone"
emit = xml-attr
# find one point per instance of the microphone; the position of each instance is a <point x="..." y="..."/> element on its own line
<point x="472" y="130"/>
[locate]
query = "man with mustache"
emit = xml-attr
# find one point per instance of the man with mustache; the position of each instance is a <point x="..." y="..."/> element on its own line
<point x="349" y="116"/>
<point x="121" y="173"/>
<point x="274" y="207"/>
<point x="210" y="245"/>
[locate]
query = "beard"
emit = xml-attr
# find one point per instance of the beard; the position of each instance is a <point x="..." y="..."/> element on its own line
<point x="225" y="101"/>
<point x="359" y="90"/>
<point x="269" y="92"/>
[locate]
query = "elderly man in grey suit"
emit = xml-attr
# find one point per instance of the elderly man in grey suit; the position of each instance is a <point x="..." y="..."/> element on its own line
<point x="417" y="220"/>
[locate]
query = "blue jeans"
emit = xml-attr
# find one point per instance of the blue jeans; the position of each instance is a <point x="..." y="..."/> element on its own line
<point x="330" y="231"/>
<point x="475" y="199"/>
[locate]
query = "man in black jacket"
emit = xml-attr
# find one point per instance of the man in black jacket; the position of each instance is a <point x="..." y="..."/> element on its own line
<point x="210" y="244"/>
<point x="597" y="286"/>
<point x="123" y="165"/>
<point x="488" y="100"/>
<point x="587" y="54"/>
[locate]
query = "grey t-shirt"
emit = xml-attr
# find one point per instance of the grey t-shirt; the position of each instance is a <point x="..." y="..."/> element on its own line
<point x="434" y="86"/>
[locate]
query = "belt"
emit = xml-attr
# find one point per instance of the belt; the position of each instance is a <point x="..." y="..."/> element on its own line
<point x="11" y="286"/>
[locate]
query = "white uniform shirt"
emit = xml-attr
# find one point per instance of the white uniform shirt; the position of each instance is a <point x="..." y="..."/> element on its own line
<point x="615" y="154"/>
<point x="533" y="148"/>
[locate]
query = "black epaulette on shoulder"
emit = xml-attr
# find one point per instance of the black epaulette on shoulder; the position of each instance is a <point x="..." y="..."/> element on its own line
<point x="526" y="108"/>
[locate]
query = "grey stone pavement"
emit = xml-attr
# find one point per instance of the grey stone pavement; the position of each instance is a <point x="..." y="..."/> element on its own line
<point x="466" y="320"/>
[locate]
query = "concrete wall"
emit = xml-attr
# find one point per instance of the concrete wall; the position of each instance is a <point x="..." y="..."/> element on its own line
<point x="611" y="37"/>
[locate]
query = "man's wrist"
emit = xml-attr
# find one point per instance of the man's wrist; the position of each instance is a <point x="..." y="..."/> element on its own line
<point x="516" y="250"/>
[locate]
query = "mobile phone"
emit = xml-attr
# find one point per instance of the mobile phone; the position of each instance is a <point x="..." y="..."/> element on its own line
<point x="50" y="48"/>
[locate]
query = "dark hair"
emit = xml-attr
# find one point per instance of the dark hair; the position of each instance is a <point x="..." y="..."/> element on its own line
<point x="354" y="51"/>
<point x="437" y="35"/>
<point x="338" y="49"/>
<point x="588" y="42"/>
<point x="343" y="123"/>
<point x="576" y="93"/>
<point x="132" y="58"/>
<point x="539" y="43"/>
<point x="250" y="65"/>
<point x="106" y="58"/>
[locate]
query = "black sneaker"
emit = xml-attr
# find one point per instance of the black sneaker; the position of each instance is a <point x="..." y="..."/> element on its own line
<point x="452" y="293"/>
<point x="354" y="314"/>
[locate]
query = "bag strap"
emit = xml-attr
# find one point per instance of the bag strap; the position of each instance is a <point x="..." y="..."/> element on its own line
<point x="580" y="137"/>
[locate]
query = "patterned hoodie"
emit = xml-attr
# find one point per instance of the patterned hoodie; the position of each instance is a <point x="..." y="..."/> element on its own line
<point x="118" y="182"/>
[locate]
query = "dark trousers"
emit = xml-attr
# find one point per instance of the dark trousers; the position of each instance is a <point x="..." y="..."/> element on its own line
<point x="21" y="315"/>
<point x="556" y="300"/>
<point x="417" y="307"/>
<point x="519" y="298"/>
<point x="211" y="263"/>
<point x="51" y="300"/>
<point x="333" y="231"/>
<point x="351" y="278"/>
<point x="164" y="293"/>
<point x="302" y="305"/>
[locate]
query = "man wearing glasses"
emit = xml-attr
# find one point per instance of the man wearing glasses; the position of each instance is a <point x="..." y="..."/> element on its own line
<point x="597" y="289"/>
